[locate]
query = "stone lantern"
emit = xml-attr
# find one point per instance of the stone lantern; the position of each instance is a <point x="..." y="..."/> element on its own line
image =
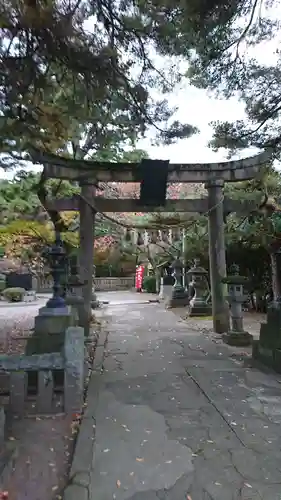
<point x="74" y="296"/>
<point x="56" y="255"/>
<point x="54" y="318"/>
<point x="179" y="296"/>
<point x="235" y="284"/>
<point x="198" y="291"/>
<point x="167" y="282"/>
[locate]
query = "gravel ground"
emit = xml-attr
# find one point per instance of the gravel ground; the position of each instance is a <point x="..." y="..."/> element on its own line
<point x="17" y="321"/>
<point x="44" y="452"/>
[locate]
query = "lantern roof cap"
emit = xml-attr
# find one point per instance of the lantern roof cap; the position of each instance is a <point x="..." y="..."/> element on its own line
<point x="234" y="277"/>
<point x="197" y="269"/>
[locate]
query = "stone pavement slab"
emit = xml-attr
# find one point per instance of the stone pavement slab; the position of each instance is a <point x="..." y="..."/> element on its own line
<point x="176" y="417"/>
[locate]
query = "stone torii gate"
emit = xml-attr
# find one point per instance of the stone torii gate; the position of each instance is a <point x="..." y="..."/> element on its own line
<point x="213" y="175"/>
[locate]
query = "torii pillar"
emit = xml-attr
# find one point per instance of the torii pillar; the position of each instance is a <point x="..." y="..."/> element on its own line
<point x="86" y="253"/>
<point x="220" y="309"/>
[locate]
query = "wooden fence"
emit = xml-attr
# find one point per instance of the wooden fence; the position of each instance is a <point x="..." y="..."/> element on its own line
<point x="44" y="284"/>
<point x="70" y="362"/>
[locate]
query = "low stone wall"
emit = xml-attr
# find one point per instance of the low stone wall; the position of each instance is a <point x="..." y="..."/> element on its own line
<point x="70" y="361"/>
<point x="114" y="284"/>
<point x="107" y="284"/>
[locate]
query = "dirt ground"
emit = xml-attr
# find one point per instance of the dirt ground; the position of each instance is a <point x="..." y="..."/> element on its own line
<point x="44" y="451"/>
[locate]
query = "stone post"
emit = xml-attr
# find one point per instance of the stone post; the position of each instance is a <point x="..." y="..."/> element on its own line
<point x="94" y="301"/>
<point x="157" y="280"/>
<point x="268" y="348"/>
<point x="217" y="260"/>
<point x="161" y="291"/>
<point x="74" y="369"/>
<point x="86" y="254"/>
<point x="236" y="335"/>
<point x="183" y="258"/>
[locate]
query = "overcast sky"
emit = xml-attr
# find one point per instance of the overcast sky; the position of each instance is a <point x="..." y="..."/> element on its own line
<point x="199" y="109"/>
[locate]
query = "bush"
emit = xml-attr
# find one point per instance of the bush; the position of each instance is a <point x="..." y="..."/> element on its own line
<point x="149" y="284"/>
<point x="14" y="294"/>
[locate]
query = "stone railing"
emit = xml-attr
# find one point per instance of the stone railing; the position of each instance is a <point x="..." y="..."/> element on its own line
<point x="44" y="284"/>
<point x="70" y="361"/>
<point x="114" y="284"/>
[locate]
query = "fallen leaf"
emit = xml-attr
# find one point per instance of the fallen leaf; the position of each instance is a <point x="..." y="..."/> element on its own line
<point x="140" y="459"/>
<point x="118" y="483"/>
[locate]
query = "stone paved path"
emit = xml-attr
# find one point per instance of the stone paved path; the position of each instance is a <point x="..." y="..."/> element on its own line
<point x="177" y="417"/>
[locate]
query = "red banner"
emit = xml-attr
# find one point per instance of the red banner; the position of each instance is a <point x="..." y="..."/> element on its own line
<point x="139" y="277"/>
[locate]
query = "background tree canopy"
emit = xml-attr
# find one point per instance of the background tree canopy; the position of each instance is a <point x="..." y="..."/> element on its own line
<point x="224" y="43"/>
<point x="227" y="54"/>
<point x="63" y="64"/>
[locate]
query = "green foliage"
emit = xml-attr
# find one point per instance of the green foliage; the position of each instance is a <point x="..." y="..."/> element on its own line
<point x="14" y="294"/>
<point x="149" y="284"/>
<point x="19" y="200"/>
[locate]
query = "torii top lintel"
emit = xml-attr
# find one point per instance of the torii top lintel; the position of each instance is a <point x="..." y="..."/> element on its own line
<point x="86" y="170"/>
